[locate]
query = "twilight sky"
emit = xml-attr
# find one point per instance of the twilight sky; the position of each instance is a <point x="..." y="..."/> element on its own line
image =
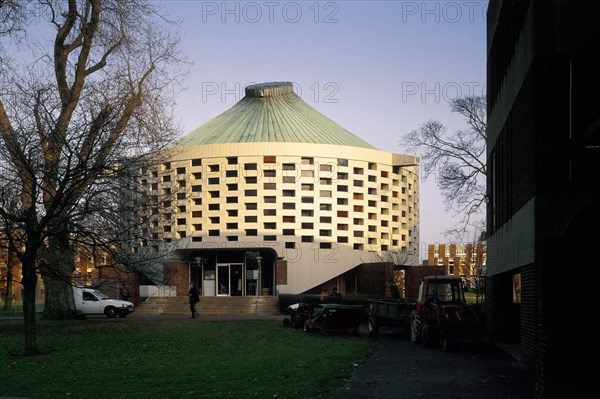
<point x="377" y="68"/>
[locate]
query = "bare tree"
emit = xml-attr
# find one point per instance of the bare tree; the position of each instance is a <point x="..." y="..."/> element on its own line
<point x="99" y="94"/>
<point x="458" y="161"/>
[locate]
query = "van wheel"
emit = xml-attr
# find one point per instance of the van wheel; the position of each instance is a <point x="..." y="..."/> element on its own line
<point x="110" y="312"/>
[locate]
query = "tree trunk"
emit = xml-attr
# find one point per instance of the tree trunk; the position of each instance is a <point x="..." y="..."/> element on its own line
<point x="29" y="282"/>
<point x="59" y="302"/>
<point x="9" y="282"/>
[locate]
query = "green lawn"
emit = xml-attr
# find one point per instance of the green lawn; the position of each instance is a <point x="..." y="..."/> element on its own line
<point x="175" y="359"/>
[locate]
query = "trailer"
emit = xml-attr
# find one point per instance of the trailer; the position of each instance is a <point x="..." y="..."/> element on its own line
<point x="439" y="316"/>
<point x="331" y="318"/>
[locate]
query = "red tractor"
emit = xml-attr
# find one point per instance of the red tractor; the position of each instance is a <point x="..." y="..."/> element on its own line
<point x="441" y="315"/>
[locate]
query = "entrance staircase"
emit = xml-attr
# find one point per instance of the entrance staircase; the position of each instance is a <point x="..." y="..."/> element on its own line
<point x="222" y="305"/>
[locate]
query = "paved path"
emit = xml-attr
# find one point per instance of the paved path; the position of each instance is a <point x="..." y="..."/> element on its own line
<point x="401" y="369"/>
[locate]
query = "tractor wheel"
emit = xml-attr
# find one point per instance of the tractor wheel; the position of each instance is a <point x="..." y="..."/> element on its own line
<point x="373" y="326"/>
<point x="416" y="327"/>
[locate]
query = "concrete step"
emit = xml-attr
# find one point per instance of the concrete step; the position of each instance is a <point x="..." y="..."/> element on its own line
<point x="211" y="305"/>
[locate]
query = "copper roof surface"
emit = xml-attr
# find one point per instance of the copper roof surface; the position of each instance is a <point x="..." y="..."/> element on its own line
<point x="271" y="112"/>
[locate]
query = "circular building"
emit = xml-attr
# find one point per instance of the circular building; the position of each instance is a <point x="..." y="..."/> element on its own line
<point x="273" y="197"/>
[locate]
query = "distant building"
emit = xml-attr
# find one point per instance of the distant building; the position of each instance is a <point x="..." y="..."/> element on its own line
<point x="468" y="260"/>
<point x="543" y="179"/>
<point x="273" y="196"/>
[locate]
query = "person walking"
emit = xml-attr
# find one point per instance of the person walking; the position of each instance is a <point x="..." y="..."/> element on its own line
<point x="194" y="299"/>
<point x="335" y="296"/>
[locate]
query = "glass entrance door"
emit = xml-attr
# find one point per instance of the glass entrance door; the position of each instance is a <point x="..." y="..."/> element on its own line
<point x="223" y="285"/>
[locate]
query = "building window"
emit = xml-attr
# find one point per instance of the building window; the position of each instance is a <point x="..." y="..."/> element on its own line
<point x="166" y="178"/>
<point x="384" y="173"/>
<point x="325" y="219"/>
<point x="288" y="179"/>
<point x="270" y="159"/>
<point x="231" y="173"/>
<point x="251" y="206"/>
<point x="232" y="212"/>
<point x="180" y="170"/>
<point x="342" y="240"/>
<point x="307" y="173"/>
<point x="325" y="233"/>
<point x="342" y="162"/>
<point x="307" y="187"/>
<point x="357" y="183"/>
<point x="232" y="160"/>
<point x="325" y="207"/>
<point x="289" y="232"/>
<point x="250" y="193"/>
<point x="341" y="226"/>
<point x="250" y="166"/>
<point x="289" y="193"/>
<point x="325" y="245"/>
<point x="290" y="245"/>
<point x="196" y="214"/>
<point x="181" y="222"/>
<point x="270" y="199"/>
<point x="214" y="233"/>
<point x="308" y="200"/>
<point x="372" y="166"/>
<point x="342" y="188"/>
<point x="213" y="180"/>
<point x="358" y="208"/>
<point x="342" y="201"/>
<point x="214" y="207"/>
<point x="307" y="213"/>
<point x="251" y="232"/>
<point x="270" y="173"/>
<point x="270" y="186"/>
<point x="197" y="227"/>
<point x="215" y="219"/>
<point x="250" y="219"/>
<point x="307" y="161"/>
<point x="214" y="167"/>
<point x="289" y="205"/>
<point x="232" y="200"/>
<point x="232" y="187"/>
<point x="197" y="175"/>
<point x="270" y="225"/>
<point x="289" y="219"/>
<point x="372" y="229"/>
<point x="358" y="234"/>
<point x="308" y="239"/>
<point x="308" y="226"/>
<point x="232" y="238"/>
<point x="232" y="226"/>
<point x="196" y="162"/>
<point x="270" y="212"/>
<point x="180" y="196"/>
<point x="326" y="168"/>
<point x="251" y="179"/>
<point x="342" y="214"/>
<point x="214" y="194"/>
<point x="270" y="238"/>
<point x="289" y="166"/>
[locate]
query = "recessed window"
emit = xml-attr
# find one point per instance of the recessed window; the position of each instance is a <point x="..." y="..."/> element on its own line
<point x="288" y="179"/>
<point x="307" y="212"/>
<point x="214" y="167"/>
<point x="250" y="166"/>
<point x="289" y="219"/>
<point x="197" y="201"/>
<point x="325" y="193"/>
<point x="166" y="178"/>
<point x="289" y="193"/>
<point x="232" y="200"/>
<point x="196" y="214"/>
<point x="342" y="162"/>
<point x="288" y="232"/>
<point x="214" y="194"/>
<point x="232" y="212"/>
<point x="308" y="226"/>
<point x="270" y="238"/>
<point x="250" y="193"/>
<point x="270" y="199"/>
<point x="250" y="219"/>
<point x="290" y="245"/>
<point x="358" y="247"/>
<point x="325" y="233"/>
<point x="251" y="206"/>
<point x="357" y="183"/>
<point x="342" y="214"/>
<point x="180" y="170"/>
<point x="215" y="219"/>
<point x="289" y="205"/>
<point x="270" y="212"/>
<point x="325" y="219"/>
<point x="232" y="226"/>
<point x="232" y="160"/>
<point x="270" y="186"/>
<point x="341" y="226"/>
<point x="270" y="173"/>
<point x="214" y="207"/>
<point x="342" y="201"/>
<point x="231" y="173"/>
<point x="372" y="178"/>
<point x="308" y="200"/>
<point x="232" y="238"/>
<point x="214" y="233"/>
<point x="308" y="239"/>
<point x="307" y="173"/>
<point x="197" y="175"/>
<point x="251" y="232"/>
<point x="342" y="176"/>
<point x="181" y="222"/>
<point x="325" y="245"/>
<point x="251" y="179"/>
<point x="308" y="187"/>
<point x="270" y="226"/>
<point x="270" y="159"/>
<point x="213" y="180"/>
<point x="196" y="162"/>
<point x="289" y="166"/>
<point x="342" y="188"/>
<point x="358" y="234"/>
<point x="325" y="207"/>
<point x="232" y="187"/>
<point x="342" y="239"/>
<point x="307" y="161"/>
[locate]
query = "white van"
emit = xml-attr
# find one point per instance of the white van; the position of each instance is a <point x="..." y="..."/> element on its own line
<point x="91" y="301"/>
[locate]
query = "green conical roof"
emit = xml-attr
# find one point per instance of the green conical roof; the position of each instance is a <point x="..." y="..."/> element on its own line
<point x="271" y="112"/>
